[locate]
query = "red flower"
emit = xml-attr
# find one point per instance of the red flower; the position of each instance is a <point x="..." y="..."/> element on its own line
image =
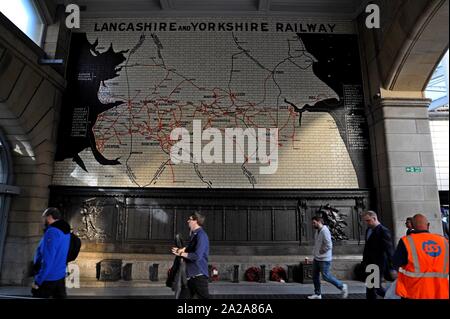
<point x="278" y="274"/>
<point x="214" y="274"/>
<point x="252" y="274"/>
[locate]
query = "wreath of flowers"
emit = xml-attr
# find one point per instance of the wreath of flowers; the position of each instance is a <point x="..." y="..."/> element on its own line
<point x="278" y="274"/>
<point x="214" y="274"/>
<point x="252" y="274"/>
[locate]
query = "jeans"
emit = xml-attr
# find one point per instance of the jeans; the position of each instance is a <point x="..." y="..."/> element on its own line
<point x="324" y="268"/>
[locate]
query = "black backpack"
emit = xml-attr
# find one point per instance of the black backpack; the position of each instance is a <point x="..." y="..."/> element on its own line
<point x="74" y="247"/>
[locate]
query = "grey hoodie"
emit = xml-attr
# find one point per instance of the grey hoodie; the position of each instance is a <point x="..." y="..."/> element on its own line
<point x="323" y="245"/>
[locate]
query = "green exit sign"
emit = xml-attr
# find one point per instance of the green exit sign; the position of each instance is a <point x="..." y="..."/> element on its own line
<point x="414" y="169"/>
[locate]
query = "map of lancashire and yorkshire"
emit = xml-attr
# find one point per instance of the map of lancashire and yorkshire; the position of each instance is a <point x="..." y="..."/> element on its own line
<point x="131" y="83"/>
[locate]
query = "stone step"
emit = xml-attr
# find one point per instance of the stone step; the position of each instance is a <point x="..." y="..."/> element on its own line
<point x="94" y="283"/>
<point x="342" y="266"/>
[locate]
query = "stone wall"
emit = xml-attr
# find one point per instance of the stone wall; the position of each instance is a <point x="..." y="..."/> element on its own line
<point x="395" y="60"/>
<point x="342" y="267"/>
<point x="398" y="60"/>
<point x="30" y="99"/>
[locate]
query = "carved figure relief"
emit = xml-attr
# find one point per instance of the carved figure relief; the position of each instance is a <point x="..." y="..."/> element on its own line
<point x="89" y="229"/>
<point x="335" y="221"/>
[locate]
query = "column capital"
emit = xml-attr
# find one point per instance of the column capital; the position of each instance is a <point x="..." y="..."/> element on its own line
<point x="401" y="102"/>
<point x="398" y="108"/>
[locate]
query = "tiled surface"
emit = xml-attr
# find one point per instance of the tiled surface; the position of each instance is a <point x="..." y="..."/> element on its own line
<point x="313" y="155"/>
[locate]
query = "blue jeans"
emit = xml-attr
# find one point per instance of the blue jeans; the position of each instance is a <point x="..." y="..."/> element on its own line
<point x="324" y="268"/>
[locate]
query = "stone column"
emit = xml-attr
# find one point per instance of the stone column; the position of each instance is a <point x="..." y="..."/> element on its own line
<point x="404" y="169"/>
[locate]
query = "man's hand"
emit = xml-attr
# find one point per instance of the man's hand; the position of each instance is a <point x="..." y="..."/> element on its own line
<point x="34" y="286"/>
<point x="178" y="251"/>
<point x="394" y="274"/>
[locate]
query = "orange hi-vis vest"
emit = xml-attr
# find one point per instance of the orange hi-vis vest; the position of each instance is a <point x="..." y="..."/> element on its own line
<point x="426" y="274"/>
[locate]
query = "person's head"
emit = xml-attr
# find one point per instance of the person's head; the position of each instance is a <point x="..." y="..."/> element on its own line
<point x="195" y="221"/>
<point x="409" y="223"/>
<point x="420" y="222"/>
<point x="317" y="222"/>
<point x="51" y="215"/>
<point x="370" y="218"/>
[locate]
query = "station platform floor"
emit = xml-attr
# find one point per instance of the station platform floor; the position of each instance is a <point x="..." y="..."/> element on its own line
<point x="218" y="290"/>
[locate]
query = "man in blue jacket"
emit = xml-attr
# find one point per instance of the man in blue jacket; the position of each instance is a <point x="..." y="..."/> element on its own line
<point x="51" y="257"/>
<point x="195" y="255"/>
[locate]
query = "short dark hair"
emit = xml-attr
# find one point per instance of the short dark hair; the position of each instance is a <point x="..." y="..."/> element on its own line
<point x="409" y="219"/>
<point x="369" y="213"/>
<point x="52" y="211"/>
<point x="317" y="219"/>
<point x="199" y="218"/>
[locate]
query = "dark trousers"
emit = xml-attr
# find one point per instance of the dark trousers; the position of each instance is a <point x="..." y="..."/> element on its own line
<point x="197" y="288"/>
<point x="371" y="293"/>
<point x="48" y="289"/>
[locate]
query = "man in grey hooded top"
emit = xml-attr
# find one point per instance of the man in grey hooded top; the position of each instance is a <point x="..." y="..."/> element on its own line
<point x="322" y="259"/>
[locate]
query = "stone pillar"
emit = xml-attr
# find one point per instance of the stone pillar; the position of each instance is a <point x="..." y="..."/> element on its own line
<point x="404" y="170"/>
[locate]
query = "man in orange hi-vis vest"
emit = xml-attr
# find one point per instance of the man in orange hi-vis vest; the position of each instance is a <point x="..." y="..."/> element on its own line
<point x="422" y="259"/>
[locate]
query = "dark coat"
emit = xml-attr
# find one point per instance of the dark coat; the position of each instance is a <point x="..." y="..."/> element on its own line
<point x="177" y="278"/>
<point x="379" y="249"/>
<point x="180" y="280"/>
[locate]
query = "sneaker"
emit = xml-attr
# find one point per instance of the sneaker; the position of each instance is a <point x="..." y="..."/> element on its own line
<point x="315" y="296"/>
<point x="344" y="291"/>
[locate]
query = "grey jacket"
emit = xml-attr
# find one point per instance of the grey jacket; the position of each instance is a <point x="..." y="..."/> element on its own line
<point x="323" y="245"/>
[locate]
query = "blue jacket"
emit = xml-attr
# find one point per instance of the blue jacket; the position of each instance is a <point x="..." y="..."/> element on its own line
<point x="198" y="251"/>
<point x="51" y="253"/>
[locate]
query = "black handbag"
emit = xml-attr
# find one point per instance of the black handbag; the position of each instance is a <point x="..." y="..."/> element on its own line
<point x="360" y="272"/>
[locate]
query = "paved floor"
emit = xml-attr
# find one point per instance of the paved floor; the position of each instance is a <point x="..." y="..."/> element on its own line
<point x="222" y="290"/>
